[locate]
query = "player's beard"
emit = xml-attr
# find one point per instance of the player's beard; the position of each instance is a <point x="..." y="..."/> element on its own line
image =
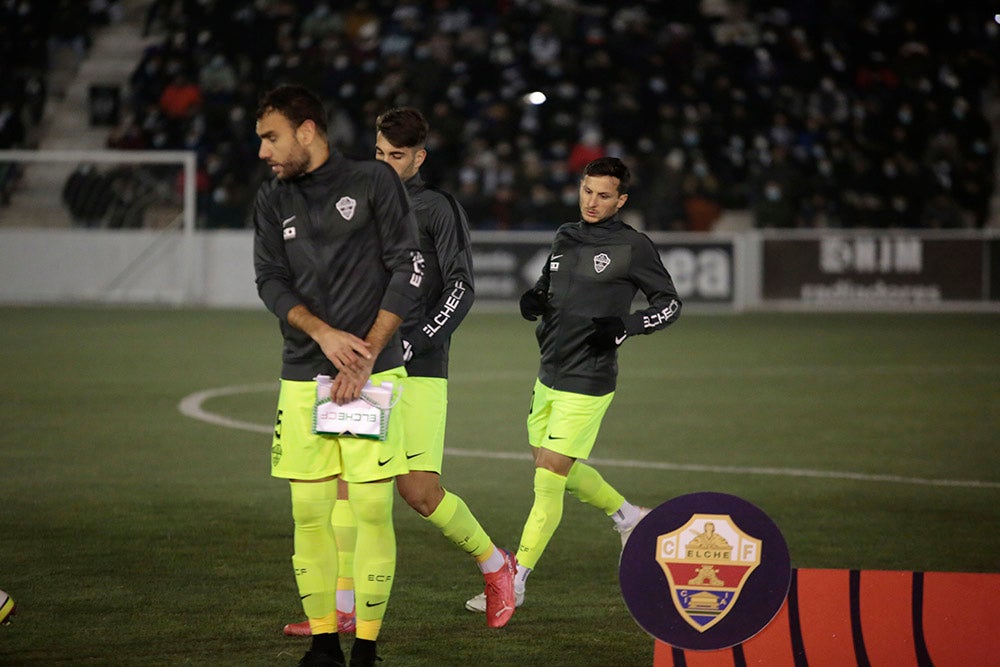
<point x="296" y="164"/>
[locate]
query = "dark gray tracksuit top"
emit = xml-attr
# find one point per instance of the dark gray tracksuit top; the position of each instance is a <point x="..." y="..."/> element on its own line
<point x="342" y="240"/>
<point x="448" y="283"/>
<point x="595" y="270"/>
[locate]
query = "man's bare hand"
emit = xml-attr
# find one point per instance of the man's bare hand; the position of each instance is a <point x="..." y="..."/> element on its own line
<point x="345" y="350"/>
<point x="347" y="385"/>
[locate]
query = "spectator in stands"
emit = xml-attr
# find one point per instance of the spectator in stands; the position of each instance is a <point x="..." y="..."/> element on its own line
<point x="777" y="187"/>
<point x="585" y="151"/>
<point x="218" y="80"/>
<point x="663" y="205"/>
<point x="181" y="98"/>
<point x="701" y="191"/>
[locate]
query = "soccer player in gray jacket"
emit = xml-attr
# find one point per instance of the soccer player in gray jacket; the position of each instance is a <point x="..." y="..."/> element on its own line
<point x="584" y="296"/>
<point x="446" y="299"/>
<point x="337" y="261"/>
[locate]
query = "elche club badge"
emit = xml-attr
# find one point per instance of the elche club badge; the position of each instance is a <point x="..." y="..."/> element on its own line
<point x="705" y="571"/>
<point x="601" y="262"/>
<point x="346" y="206"/>
<point x="707" y="562"/>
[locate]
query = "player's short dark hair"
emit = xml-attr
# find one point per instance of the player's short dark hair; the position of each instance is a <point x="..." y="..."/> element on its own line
<point x="296" y="103"/>
<point x="610" y="166"/>
<point x="404" y="127"/>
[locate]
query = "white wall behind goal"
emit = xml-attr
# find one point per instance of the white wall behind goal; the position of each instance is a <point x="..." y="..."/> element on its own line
<point x="211" y="268"/>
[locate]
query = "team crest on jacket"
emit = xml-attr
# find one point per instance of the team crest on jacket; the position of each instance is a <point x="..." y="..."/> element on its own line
<point x="707" y="561"/>
<point x="346" y="206"/>
<point x="601" y="262"/>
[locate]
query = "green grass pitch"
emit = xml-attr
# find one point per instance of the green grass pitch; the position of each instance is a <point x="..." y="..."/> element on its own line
<point x="133" y="534"/>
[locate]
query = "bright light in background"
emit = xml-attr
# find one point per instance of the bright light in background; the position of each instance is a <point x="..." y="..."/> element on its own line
<point x="537" y="97"/>
<point x="996" y="17"/>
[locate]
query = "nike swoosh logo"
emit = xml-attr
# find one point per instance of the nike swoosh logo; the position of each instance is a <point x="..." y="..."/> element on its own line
<point x="382" y="463"/>
<point x="552" y="437"/>
<point x="374" y="604"/>
<point x="287" y="220"/>
<point x="413" y="456"/>
<point x="556" y="256"/>
<point x="620" y="339"/>
<point x="303" y="597"/>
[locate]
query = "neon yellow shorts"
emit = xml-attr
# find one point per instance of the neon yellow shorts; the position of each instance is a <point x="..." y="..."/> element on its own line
<point x="424" y="405"/>
<point x="298" y="453"/>
<point x="565" y="422"/>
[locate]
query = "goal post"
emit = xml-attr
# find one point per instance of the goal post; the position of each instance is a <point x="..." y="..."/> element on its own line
<point x="186" y="159"/>
<point x="146" y="198"/>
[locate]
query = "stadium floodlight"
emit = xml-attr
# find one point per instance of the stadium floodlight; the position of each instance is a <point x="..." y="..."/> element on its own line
<point x="535" y="98"/>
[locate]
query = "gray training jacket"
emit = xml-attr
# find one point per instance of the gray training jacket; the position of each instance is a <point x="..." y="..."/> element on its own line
<point x="595" y="270"/>
<point x="448" y="283"/>
<point x="342" y="240"/>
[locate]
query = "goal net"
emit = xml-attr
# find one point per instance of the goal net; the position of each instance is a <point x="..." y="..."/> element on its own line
<point x="103" y="189"/>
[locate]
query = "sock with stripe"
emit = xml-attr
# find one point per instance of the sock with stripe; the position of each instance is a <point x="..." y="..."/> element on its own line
<point x="315" y="559"/>
<point x="456" y="522"/>
<point x="374" y="556"/>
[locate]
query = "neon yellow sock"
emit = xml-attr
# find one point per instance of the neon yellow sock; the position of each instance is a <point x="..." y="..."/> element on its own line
<point x="454" y="519"/>
<point x="345" y="531"/>
<point x="375" y="555"/>
<point x="589" y="487"/>
<point x="315" y="558"/>
<point x="544" y="517"/>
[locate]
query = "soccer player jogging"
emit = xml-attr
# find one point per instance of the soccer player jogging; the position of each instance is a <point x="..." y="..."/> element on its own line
<point x="584" y="296"/>
<point x="337" y="261"/>
<point x="401" y="135"/>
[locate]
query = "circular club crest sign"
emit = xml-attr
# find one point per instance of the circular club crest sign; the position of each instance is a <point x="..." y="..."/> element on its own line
<point x="705" y="571"/>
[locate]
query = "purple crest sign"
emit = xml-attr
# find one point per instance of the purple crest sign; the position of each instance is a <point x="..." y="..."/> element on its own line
<point x="705" y="571"/>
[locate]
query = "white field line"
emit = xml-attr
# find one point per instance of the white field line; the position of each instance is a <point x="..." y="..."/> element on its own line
<point x="656" y="372"/>
<point x="192" y="406"/>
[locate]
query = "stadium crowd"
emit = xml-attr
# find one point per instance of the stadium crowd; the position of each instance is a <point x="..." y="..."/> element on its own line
<point x="809" y="113"/>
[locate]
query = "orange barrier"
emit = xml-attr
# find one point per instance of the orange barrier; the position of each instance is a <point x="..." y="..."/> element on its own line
<point x="869" y="618"/>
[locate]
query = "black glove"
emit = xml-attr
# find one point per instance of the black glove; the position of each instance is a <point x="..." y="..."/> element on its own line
<point x="609" y="333"/>
<point x="534" y="302"/>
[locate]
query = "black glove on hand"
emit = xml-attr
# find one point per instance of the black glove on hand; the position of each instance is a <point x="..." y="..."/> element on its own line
<point x="609" y="332"/>
<point x="534" y="302"/>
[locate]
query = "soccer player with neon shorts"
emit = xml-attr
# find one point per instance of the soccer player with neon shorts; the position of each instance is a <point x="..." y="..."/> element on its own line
<point x="594" y="270"/>
<point x="401" y="135"/>
<point x="337" y="261"/>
